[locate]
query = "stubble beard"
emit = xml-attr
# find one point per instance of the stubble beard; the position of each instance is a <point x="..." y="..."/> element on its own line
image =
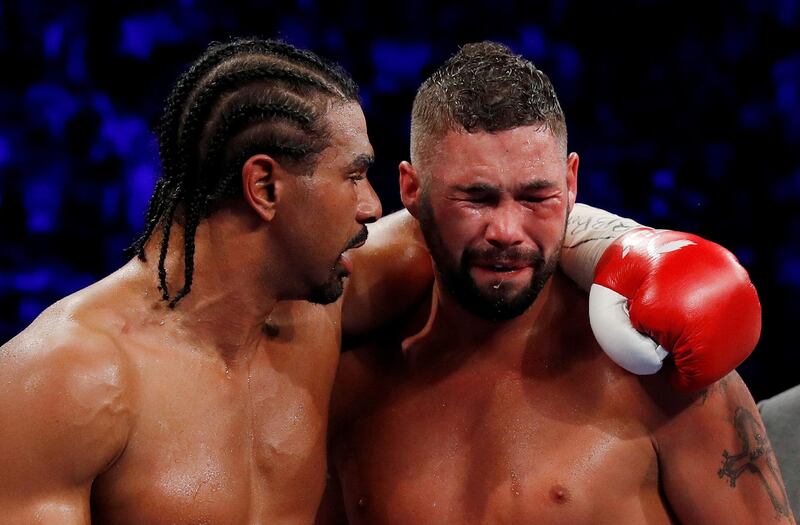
<point x="497" y="303"/>
<point x="332" y="289"/>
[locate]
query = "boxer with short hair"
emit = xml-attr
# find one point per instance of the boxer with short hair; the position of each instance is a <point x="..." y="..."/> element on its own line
<point x="189" y="386"/>
<point x="493" y="402"/>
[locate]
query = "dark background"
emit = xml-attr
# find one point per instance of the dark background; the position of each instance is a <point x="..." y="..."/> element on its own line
<point x="686" y="116"/>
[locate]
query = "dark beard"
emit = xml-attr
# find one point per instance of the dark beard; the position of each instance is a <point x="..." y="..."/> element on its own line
<point x="330" y="291"/>
<point x="494" y="304"/>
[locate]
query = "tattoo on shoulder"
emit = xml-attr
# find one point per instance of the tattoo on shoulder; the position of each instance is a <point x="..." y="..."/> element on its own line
<point x="720" y="386"/>
<point x="605" y="227"/>
<point x="756" y="458"/>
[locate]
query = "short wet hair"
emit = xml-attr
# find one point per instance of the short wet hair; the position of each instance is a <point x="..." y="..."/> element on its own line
<point x="483" y="87"/>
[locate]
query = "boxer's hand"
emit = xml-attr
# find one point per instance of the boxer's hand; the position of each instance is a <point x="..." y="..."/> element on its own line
<point x="659" y="292"/>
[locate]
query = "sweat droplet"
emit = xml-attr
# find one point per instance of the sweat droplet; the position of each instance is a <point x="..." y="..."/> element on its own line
<point x="496" y="286"/>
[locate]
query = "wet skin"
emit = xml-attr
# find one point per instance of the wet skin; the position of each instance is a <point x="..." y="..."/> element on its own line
<point x="118" y="409"/>
<point x="450" y="417"/>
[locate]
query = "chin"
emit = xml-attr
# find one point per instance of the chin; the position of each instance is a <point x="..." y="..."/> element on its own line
<point x="327" y="293"/>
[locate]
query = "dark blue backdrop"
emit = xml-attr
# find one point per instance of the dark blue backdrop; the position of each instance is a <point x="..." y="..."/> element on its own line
<point x="686" y="115"/>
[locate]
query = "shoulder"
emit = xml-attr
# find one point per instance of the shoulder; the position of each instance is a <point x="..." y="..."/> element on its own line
<point x="64" y="385"/>
<point x="65" y="344"/>
<point x="726" y="404"/>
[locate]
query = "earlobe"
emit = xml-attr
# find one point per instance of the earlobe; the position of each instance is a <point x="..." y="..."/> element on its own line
<point x="410" y="187"/>
<point x="261" y="179"/>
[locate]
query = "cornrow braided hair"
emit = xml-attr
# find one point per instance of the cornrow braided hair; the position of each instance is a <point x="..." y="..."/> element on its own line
<point x="240" y="98"/>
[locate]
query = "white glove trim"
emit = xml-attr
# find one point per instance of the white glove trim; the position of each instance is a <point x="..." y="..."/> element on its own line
<point x="611" y="324"/>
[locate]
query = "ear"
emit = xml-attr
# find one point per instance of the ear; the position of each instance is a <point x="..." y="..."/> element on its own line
<point x="572" y="178"/>
<point x="262" y="180"/>
<point x="410" y="187"/>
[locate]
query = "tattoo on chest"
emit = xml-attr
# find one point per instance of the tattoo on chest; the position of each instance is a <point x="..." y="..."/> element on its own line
<point x="756" y="458"/>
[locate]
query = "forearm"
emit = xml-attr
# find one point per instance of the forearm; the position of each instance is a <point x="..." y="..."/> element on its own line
<point x="589" y="232"/>
<point x="392" y="271"/>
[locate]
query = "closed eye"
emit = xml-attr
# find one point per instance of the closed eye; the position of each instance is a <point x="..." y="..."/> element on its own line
<point x="531" y="198"/>
<point x="357" y="177"/>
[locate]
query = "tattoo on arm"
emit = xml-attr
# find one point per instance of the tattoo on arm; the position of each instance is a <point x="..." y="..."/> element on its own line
<point x="703" y="395"/>
<point x="756" y="458"/>
<point x="602" y="225"/>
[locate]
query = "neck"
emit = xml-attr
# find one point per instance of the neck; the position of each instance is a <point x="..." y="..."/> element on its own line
<point x="231" y="294"/>
<point x="452" y="328"/>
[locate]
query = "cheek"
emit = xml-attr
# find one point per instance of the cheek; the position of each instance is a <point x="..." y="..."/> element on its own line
<point x="548" y="226"/>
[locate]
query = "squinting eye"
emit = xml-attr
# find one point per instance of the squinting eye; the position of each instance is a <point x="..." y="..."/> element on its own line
<point x="355" y="178"/>
<point x="534" y="200"/>
<point x="479" y="200"/>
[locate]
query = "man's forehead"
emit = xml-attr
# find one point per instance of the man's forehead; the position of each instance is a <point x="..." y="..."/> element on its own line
<point x="534" y="143"/>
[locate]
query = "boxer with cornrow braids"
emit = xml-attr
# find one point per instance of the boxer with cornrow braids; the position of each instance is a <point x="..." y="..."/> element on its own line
<point x="211" y="406"/>
<point x="239" y="98"/>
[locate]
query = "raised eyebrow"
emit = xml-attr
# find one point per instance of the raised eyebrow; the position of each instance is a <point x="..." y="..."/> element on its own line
<point x="361" y="163"/>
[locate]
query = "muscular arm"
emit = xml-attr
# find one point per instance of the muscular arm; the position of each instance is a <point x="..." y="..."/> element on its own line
<point x="716" y="462"/>
<point x="589" y="232"/>
<point x="64" y="421"/>
<point x="391" y="272"/>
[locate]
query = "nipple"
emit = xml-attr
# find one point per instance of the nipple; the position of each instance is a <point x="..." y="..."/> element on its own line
<point x="559" y="494"/>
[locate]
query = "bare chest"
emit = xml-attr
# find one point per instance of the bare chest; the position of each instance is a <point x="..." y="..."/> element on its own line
<point x="212" y="447"/>
<point x="496" y="450"/>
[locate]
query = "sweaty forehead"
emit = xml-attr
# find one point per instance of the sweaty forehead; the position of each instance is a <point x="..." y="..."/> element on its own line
<point x="527" y="151"/>
<point x="348" y="132"/>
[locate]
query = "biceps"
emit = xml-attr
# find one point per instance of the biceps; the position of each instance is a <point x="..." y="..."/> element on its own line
<point x="37" y="486"/>
<point x="730" y="473"/>
<point x="58" y="508"/>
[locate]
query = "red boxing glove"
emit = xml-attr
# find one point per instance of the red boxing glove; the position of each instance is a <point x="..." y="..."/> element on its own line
<point x="688" y="295"/>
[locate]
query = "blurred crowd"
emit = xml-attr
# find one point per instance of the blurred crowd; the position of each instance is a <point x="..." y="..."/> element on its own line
<point x="686" y="116"/>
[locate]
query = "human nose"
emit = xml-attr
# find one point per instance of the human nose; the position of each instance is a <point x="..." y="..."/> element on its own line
<point x="505" y="226"/>
<point x="369" y="205"/>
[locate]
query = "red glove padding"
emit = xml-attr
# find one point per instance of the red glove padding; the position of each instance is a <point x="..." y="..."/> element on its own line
<point x="688" y="294"/>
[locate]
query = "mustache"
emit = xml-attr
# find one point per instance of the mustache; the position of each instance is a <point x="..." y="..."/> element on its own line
<point x="359" y="239"/>
<point x="513" y="254"/>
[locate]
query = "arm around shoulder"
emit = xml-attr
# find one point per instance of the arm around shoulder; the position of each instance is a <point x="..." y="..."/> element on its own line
<point x="392" y="271"/>
<point x="64" y="403"/>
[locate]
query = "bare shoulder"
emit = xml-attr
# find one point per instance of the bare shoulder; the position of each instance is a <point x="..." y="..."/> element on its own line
<point x="672" y="407"/>
<point x="65" y="389"/>
<point x="392" y="271"/>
